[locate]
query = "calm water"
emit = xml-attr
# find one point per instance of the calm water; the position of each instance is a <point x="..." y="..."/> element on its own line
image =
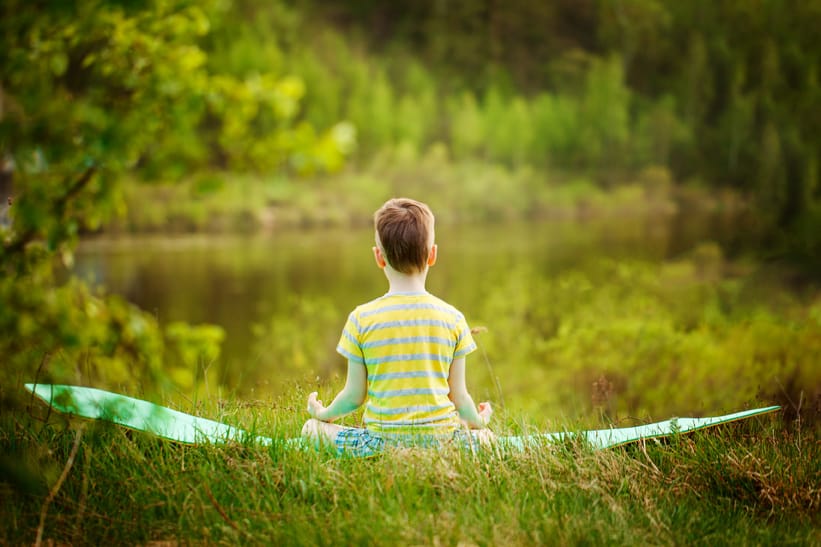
<point x="242" y="281"/>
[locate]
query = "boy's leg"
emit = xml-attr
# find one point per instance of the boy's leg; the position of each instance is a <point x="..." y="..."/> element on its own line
<point x="320" y="431"/>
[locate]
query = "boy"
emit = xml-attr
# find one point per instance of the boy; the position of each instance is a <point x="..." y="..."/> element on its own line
<point x="406" y="351"/>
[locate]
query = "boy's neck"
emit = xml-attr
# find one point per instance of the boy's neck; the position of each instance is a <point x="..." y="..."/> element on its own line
<point x="405" y="283"/>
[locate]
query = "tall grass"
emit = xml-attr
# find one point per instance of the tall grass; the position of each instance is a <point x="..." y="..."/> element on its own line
<point x="754" y="482"/>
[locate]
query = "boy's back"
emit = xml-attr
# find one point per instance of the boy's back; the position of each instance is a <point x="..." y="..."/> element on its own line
<point x="407" y="342"/>
<point x="406" y="350"/>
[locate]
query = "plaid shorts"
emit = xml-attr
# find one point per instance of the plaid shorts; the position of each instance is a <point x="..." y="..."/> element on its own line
<point x="363" y="443"/>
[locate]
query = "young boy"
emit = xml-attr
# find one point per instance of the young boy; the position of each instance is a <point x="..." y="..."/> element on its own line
<point x="406" y="352"/>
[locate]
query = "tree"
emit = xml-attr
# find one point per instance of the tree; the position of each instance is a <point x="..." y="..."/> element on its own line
<point x="90" y="91"/>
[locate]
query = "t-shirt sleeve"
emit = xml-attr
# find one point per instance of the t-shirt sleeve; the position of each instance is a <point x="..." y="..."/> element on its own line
<point x="349" y="346"/>
<point x="464" y="341"/>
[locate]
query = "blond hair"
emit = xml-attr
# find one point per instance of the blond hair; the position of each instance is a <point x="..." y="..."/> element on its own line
<point x="404" y="230"/>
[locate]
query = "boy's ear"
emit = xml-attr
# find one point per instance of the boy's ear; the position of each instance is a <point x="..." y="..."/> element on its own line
<point x="380" y="260"/>
<point x="432" y="255"/>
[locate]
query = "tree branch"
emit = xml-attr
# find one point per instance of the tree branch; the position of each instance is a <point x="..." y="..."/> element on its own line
<point x="58" y="209"/>
<point x="56" y="488"/>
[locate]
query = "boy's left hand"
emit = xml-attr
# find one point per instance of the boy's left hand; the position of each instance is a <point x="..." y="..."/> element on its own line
<point x="315" y="406"/>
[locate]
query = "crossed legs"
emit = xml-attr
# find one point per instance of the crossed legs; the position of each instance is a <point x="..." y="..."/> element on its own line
<point x="324" y="432"/>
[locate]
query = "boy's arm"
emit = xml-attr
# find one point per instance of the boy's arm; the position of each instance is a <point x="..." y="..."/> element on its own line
<point x="349" y="399"/>
<point x="476" y="419"/>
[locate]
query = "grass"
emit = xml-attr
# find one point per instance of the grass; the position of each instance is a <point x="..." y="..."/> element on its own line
<point x="753" y="482"/>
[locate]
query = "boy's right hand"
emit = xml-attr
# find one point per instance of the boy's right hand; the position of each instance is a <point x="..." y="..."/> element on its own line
<point x="485" y="411"/>
<point x="315" y="406"/>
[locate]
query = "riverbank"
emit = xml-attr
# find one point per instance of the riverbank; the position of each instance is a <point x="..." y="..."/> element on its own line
<point x="463" y="192"/>
<point x="753" y="482"/>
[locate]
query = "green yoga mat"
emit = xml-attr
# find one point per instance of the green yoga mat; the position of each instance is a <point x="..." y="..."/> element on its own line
<point x="96" y="404"/>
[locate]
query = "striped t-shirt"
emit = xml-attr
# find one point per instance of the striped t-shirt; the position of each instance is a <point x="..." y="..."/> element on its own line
<point x="407" y="341"/>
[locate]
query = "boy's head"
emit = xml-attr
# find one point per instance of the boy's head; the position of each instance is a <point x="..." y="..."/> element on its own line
<point x="404" y="234"/>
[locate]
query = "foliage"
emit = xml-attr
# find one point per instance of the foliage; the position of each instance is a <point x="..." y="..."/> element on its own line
<point x="85" y="90"/>
<point x="631" y="339"/>
<point x="193" y="348"/>
<point x="92" y="91"/>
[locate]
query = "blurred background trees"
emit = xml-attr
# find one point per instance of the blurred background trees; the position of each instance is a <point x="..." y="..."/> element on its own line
<point x="727" y="93"/>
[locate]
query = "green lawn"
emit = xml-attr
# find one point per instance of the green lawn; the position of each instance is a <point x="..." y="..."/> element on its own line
<point x="752" y="482"/>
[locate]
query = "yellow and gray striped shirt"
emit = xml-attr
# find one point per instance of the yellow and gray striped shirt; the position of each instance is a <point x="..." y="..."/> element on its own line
<point x="407" y="341"/>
